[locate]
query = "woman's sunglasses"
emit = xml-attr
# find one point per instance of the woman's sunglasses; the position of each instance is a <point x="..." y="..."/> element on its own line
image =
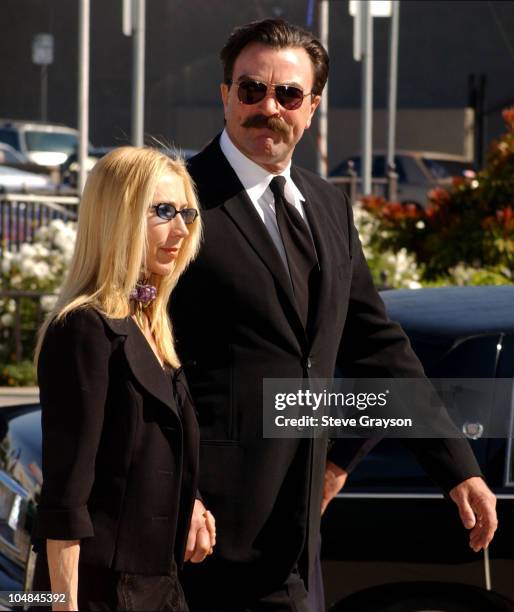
<point x="252" y="92"/>
<point x="168" y="212"/>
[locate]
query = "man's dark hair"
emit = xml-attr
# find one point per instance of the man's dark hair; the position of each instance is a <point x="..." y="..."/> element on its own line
<point x="277" y="34"/>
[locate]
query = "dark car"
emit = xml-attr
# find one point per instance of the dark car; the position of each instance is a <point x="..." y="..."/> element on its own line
<point x="12" y="158"/>
<point x="20" y="483"/>
<point x="391" y="542"/>
<point x="45" y="144"/>
<point x="70" y="168"/>
<point x="418" y="171"/>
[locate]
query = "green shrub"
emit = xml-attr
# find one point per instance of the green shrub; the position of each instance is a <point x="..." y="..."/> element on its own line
<point x="468" y="226"/>
<point x="22" y="374"/>
<point x="38" y="267"/>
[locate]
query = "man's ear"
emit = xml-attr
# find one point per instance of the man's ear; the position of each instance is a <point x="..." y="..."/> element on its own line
<point x="224" y="90"/>
<point x="315" y="100"/>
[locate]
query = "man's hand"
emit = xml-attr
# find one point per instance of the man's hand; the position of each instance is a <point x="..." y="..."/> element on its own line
<point x="202" y="534"/>
<point x="335" y="477"/>
<point x="477" y="510"/>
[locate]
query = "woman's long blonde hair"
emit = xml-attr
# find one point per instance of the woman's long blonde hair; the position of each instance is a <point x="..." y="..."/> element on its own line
<point x="111" y="242"/>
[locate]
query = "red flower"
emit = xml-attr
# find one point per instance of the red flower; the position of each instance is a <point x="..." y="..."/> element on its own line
<point x="505" y="217"/>
<point x="508" y="117"/>
<point x="438" y="196"/>
<point x="503" y="221"/>
<point x="458" y="180"/>
<point x="504" y="214"/>
<point x="372" y="204"/>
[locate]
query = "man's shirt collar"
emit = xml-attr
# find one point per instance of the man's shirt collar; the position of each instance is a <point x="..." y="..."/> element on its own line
<point x="254" y="178"/>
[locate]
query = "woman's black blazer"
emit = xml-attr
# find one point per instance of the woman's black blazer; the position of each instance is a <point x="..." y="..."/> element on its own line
<point x="120" y="446"/>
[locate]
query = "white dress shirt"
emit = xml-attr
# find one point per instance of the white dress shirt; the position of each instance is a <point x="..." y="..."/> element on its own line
<point x="255" y="179"/>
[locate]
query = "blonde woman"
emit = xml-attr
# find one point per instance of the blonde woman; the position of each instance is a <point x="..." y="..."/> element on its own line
<point x="120" y="438"/>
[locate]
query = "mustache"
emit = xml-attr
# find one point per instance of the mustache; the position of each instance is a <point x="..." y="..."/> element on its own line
<point x="271" y="123"/>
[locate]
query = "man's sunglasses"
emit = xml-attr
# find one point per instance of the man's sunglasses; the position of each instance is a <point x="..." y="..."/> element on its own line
<point x="252" y="92"/>
<point x="168" y="212"/>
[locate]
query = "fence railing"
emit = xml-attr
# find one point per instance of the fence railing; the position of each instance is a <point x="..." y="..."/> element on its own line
<point x="386" y="187"/>
<point x="20" y="333"/>
<point x="22" y="214"/>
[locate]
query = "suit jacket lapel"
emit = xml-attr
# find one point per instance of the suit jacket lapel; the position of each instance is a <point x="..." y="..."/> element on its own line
<point x="242" y="211"/>
<point x="227" y="192"/>
<point x="143" y="362"/>
<point x="316" y="218"/>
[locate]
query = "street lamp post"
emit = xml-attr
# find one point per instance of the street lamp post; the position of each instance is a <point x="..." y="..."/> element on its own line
<point x="393" y="87"/>
<point x="367" y="96"/>
<point x="43" y="56"/>
<point x="134" y="12"/>
<point x="83" y="98"/>
<point x="363" y="12"/>
<point x="323" y="106"/>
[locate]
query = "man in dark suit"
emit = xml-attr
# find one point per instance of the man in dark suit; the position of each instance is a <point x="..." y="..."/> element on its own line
<point x="281" y="290"/>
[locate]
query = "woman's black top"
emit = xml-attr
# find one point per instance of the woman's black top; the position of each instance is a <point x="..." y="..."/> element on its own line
<point x="120" y="446"/>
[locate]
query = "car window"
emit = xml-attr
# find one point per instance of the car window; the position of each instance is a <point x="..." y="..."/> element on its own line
<point x="506" y="370"/>
<point x="10" y="137"/>
<point x="8" y="157"/>
<point x="445" y="168"/>
<point x="379" y="166"/>
<point x="474" y="357"/>
<point x="505" y="357"/>
<point x="399" y="162"/>
<point x="342" y="169"/>
<point x="61" y="142"/>
<point x="23" y="440"/>
<point x="412" y="169"/>
<point x="390" y="465"/>
<point x="379" y="169"/>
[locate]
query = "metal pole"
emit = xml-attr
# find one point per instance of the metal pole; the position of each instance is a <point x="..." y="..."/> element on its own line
<point x="83" y="111"/>
<point x="393" y="82"/>
<point x="481" y="118"/>
<point x="487" y="570"/>
<point x="367" y="96"/>
<point x="138" y="80"/>
<point x="44" y="92"/>
<point x="323" y="107"/>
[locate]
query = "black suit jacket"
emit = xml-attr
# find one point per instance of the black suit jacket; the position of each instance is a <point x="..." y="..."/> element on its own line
<point x="119" y="461"/>
<point x="236" y="323"/>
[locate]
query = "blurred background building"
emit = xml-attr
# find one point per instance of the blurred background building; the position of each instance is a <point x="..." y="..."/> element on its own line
<point x="444" y="45"/>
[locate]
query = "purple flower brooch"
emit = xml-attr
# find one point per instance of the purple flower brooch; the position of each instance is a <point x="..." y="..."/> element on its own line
<point x="143" y="294"/>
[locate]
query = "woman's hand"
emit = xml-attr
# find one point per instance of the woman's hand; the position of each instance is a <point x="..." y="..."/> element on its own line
<point x="202" y="534"/>
<point x="63" y="565"/>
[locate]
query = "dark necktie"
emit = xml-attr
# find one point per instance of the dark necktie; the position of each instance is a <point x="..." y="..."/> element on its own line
<point x="300" y="252"/>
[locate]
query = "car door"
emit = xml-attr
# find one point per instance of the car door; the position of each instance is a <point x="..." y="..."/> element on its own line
<point x="391" y="525"/>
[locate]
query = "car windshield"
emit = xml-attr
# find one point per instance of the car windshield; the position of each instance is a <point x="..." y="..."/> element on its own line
<point x="446" y="168"/>
<point x="10" y="156"/>
<point x="24" y="439"/>
<point x="10" y="137"/>
<point x="378" y="169"/>
<point x="62" y="142"/>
